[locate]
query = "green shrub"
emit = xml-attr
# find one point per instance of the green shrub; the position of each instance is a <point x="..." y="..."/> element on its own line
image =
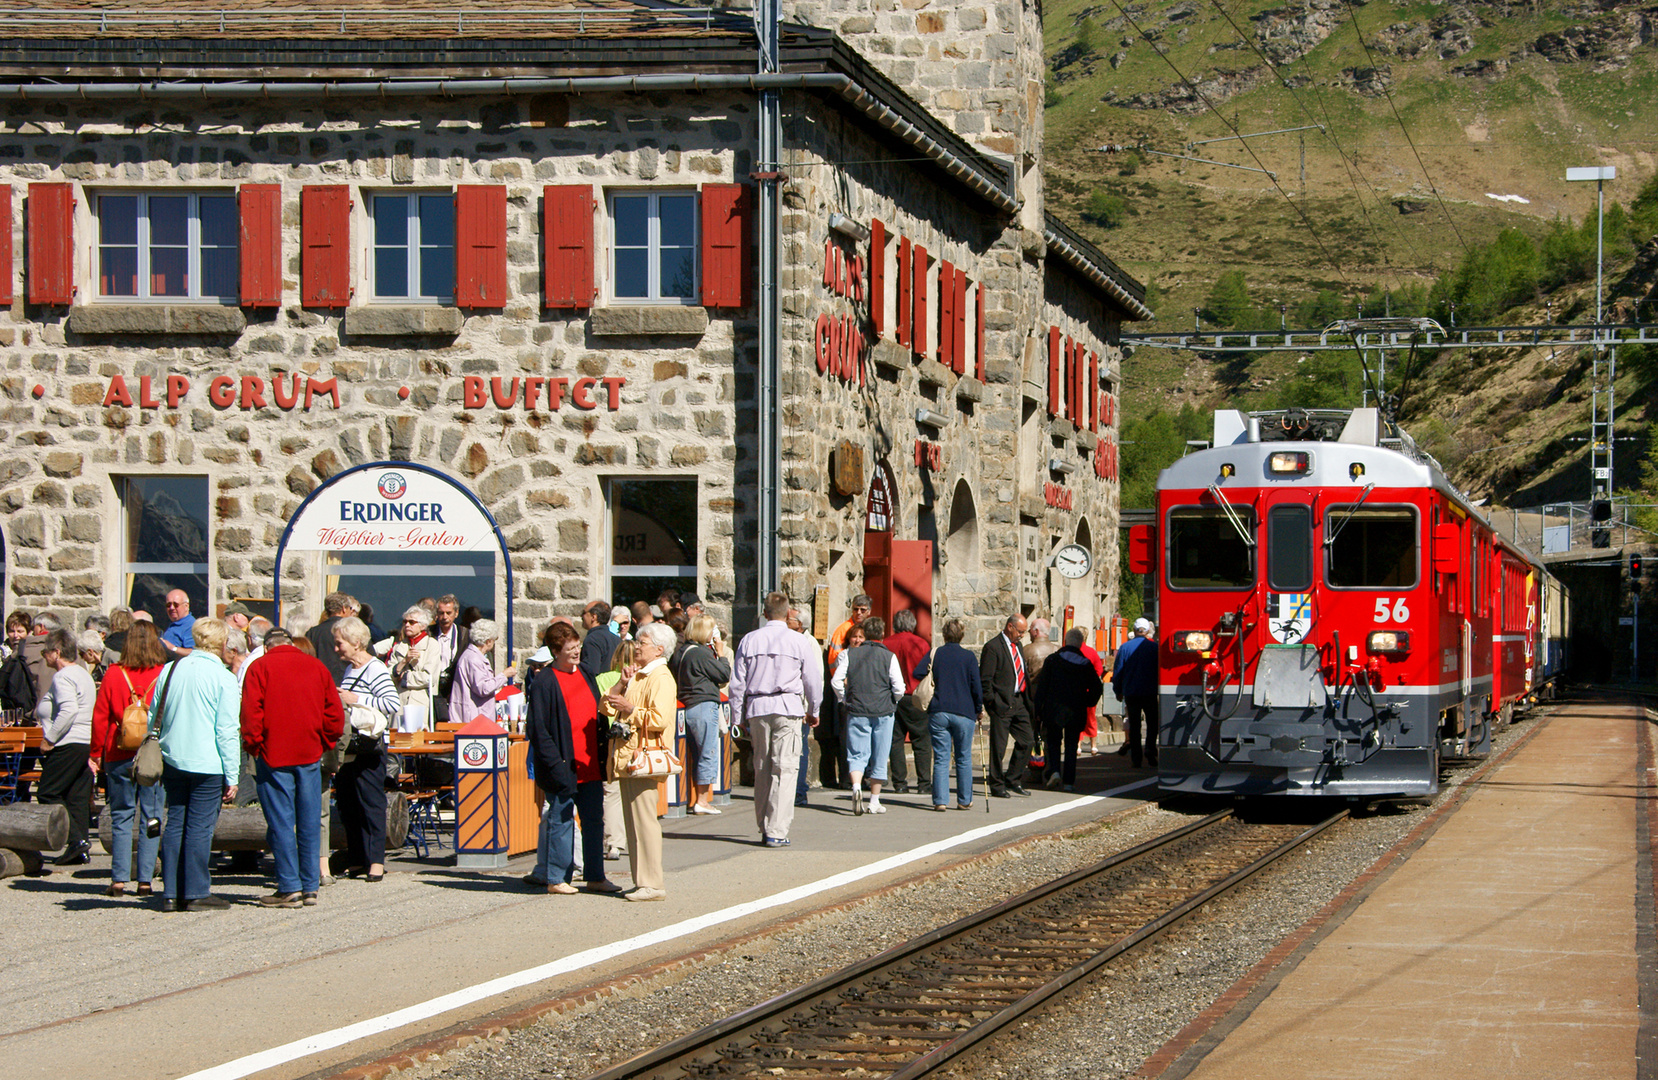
<point x="1228" y="302"/>
<point x="1105" y="209"/>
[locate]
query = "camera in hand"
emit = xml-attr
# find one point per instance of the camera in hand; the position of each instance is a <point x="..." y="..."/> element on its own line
<point x="621" y="729"/>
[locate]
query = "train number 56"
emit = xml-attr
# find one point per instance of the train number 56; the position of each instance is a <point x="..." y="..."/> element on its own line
<point x="1397" y="613"/>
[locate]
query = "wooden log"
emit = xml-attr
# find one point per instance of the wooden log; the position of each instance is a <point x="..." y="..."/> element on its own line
<point x="18" y="863"/>
<point x="32" y="827"/>
<point x="242" y="828"/>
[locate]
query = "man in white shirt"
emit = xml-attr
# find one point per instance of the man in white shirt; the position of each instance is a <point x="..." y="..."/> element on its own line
<point x="449" y="644"/>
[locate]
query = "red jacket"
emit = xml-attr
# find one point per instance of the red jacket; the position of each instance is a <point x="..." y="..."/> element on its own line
<point x="113" y="698"/>
<point x="291" y="711"/>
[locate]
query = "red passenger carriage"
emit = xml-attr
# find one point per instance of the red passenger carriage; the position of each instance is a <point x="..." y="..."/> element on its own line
<point x="1333" y="617"/>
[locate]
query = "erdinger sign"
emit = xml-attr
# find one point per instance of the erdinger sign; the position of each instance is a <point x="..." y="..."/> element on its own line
<point x="390" y="507"/>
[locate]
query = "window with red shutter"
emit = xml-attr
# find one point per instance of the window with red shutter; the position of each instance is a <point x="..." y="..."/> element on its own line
<point x="481" y="246"/>
<point x="978" y="333"/>
<point x="901" y="332"/>
<point x="567" y="236"/>
<point x="6" y="246"/>
<point x="1070" y="378"/>
<point x="1081" y="378"/>
<point x="1094" y="392"/>
<point x="727" y="245"/>
<point x="51" y="243"/>
<point x="259" y="207"/>
<point x="1054" y="383"/>
<point x="878" y="276"/>
<point x="958" y="350"/>
<point x="918" y="296"/>
<point x="325" y="245"/>
<point x="946" y="313"/>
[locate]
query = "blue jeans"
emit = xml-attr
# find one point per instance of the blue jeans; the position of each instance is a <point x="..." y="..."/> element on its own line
<point x="868" y="742"/>
<point x="702" y="737"/>
<point x="291" y="796"/>
<point x="187" y="842"/>
<point x="948" y="728"/>
<point x="555" y="852"/>
<point x="803" y="779"/>
<point x="126" y="797"/>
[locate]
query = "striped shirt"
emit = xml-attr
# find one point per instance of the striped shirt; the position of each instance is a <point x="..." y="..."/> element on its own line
<point x="373" y="685"/>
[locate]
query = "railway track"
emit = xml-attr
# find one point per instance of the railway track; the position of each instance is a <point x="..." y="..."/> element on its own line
<point x="912" y="1009"/>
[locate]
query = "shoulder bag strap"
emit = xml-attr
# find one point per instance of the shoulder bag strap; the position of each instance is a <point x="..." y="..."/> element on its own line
<point x="161" y="701"/>
<point x="131" y="689"/>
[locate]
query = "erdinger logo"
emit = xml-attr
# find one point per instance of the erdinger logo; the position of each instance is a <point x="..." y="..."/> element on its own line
<point x="475" y="753"/>
<point x="392" y="486"/>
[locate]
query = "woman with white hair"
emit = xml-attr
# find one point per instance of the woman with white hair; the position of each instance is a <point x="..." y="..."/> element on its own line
<point x="643" y="703"/>
<point x="413" y="660"/>
<point x="473" y="690"/>
<point x="64" y="713"/>
<point x="360" y="785"/>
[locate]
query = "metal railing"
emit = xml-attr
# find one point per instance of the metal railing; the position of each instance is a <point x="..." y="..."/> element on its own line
<point x="1569" y="531"/>
<point x="1467" y="337"/>
<point x="352" y="20"/>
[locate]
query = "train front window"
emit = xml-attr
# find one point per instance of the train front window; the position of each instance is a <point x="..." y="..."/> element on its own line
<point x="1206" y="551"/>
<point x="1290" y="548"/>
<point x="1372" y="548"/>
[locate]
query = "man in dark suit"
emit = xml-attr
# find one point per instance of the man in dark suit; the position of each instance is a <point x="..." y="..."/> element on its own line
<point x="1007" y="697"/>
<point x="600" y="644"/>
<point x="335" y="606"/>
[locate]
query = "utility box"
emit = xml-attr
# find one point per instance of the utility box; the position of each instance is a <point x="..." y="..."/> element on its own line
<point x="481" y="839"/>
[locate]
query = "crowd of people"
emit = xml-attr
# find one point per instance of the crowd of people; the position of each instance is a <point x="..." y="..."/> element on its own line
<point x="244" y="711"/>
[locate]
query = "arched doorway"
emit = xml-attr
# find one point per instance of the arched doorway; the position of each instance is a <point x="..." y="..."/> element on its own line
<point x="391" y="532"/>
<point x="961" y="542"/>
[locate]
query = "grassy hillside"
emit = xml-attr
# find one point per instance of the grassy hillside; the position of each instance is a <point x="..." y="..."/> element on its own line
<point x="1480" y="100"/>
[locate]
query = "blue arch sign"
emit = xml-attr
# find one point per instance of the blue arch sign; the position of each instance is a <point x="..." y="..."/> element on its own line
<point x="393" y="506"/>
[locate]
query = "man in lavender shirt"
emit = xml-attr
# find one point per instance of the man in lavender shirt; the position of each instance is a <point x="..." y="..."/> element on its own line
<point x="776" y="682"/>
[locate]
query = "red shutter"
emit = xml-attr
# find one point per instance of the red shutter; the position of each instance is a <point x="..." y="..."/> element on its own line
<point x="567" y="240"/>
<point x="481" y="246"/>
<point x="918" y="296"/>
<point x="51" y="244"/>
<point x="6" y="245"/>
<point x="1053" y="371"/>
<point x="1094" y="391"/>
<point x="978" y="334"/>
<point x="1070" y="378"/>
<point x="901" y="332"/>
<point x="878" y="275"/>
<point x="260" y="208"/>
<point x="325" y="245"/>
<point x="946" y="313"/>
<point x="958" y="350"/>
<point x="726" y="245"/>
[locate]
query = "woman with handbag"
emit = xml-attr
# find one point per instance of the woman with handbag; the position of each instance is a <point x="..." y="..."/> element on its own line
<point x="64" y="713"/>
<point x="133" y="677"/>
<point x="370" y="699"/>
<point x="699" y="674"/>
<point x="567" y="743"/>
<point x="197" y="717"/>
<point x="642" y="706"/>
<point x="957" y="701"/>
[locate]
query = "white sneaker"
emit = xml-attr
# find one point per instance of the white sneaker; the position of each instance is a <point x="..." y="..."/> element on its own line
<point x="875" y="807"/>
<point x="700" y="809"/>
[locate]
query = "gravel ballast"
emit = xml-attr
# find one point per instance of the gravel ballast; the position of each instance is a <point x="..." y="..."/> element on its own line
<point x="1105" y="1029"/>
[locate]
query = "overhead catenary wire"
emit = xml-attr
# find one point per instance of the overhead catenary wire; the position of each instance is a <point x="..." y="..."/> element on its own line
<point x="1201" y="96"/>
<point x="1353" y="17"/>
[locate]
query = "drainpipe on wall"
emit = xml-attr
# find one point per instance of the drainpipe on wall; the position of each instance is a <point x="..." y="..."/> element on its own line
<point x="768" y="15"/>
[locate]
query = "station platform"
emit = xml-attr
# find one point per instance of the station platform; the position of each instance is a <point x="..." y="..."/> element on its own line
<point x="1509" y="936"/>
<point x="99" y="985"/>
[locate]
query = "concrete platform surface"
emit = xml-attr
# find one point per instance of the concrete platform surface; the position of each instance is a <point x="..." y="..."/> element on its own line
<point x="101" y="986"/>
<point x="1509" y="946"/>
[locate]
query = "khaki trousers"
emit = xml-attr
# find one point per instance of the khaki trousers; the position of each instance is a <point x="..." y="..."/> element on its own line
<point x="644" y="832"/>
<point x="776" y="742"/>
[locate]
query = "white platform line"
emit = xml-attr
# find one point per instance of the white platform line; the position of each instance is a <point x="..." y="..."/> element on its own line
<point x="425" y="1010"/>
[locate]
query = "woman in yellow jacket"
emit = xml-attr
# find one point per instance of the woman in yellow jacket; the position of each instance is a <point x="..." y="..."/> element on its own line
<point x="644" y="699"/>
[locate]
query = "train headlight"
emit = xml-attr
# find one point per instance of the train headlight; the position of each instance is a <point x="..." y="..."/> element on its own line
<point x="1192" y="641"/>
<point x="1290" y="461"/>
<point x="1389" y="641"/>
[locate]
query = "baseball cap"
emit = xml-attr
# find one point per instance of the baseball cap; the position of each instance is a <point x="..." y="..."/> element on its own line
<point x="236" y="607"/>
<point x="1142" y="626"/>
<point x="689" y="600"/>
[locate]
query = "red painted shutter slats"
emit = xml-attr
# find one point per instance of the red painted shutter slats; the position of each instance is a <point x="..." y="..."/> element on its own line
<point x="901" y="332"/>
<point x="946" y="312"/>
<point x="1094" y="392"/>
<point x="1053" y="371"/>
<point x="918" y="296"/>
<point x="51" y="243"/>
<point x="6" y="247"/>
<point x="878" y="275"/>
<point x="958" y="349"/>
<point x="481" y="246"/>
<point x="567" y="236"/>
<point x="726" y="246"/>
<point x="259" y="207"/>
<point x="1079" y="376"/>
<point x="978" y="333"/>
<point x="325" y="245"/>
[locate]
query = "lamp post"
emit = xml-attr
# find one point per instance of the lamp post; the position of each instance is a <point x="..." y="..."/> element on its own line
<point x="1600" y="432"/>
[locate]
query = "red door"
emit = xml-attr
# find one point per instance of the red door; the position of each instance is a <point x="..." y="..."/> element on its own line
<point x="898" y="574"/>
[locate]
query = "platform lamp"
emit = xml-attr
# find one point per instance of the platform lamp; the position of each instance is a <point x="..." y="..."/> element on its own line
<point x="1600" y="174"/>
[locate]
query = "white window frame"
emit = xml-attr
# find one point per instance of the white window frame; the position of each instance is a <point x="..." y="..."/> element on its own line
<point x="193" y="243"/>
<point x="411" y="248"/>
<point x="654" y="245"/>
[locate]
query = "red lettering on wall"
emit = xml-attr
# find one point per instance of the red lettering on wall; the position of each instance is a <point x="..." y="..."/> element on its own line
<point x="1105" y="460"/>
<point x="820" y="342"/>
<point x="532" y="390"/>
<point x="555" y="391"/>
<point x="613" y="390"/>
<point x="472" y="392"/>
<point x="331" y="387"/>
<point x="1058" y="496"/>
<point x="581" y="394"/>
<point x="503" y="400"/>
<point x="117" y="393"/>
<point x="291" y="398"/>
<point x="222" y="391"/>
<point x="253" y="392"/>
<point x="177" y="387"/>
<point x="929" y="455"/>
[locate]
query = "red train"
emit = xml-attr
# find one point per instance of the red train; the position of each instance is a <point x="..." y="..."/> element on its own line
<point x="1334" y="618"/>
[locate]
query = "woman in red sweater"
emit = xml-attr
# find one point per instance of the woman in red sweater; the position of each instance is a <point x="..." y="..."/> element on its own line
<point x="141" y="664"/>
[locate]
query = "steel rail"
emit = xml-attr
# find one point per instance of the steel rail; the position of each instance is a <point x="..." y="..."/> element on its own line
<point x="1468" y="337"/>
<point x="953" y="1045"/>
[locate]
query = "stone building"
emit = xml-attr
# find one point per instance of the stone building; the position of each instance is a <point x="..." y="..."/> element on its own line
<point x="257" y="255"/>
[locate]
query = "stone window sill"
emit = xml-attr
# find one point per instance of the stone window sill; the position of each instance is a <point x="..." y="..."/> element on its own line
<point x="426" y="320"/>
<point x="649" y="319"/>
<point x="156" y="319"/>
